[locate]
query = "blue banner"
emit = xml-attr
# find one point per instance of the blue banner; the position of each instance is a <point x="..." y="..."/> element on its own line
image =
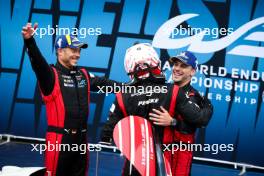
<point x="226" y="36"/>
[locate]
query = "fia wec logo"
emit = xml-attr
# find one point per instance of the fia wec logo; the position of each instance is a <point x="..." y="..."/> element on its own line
<point x="195" y="43"/>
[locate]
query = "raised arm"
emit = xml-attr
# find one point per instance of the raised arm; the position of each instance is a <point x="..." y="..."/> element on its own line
<point x="40" y="66"/>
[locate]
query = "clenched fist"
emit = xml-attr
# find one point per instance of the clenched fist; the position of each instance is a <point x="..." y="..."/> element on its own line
<point x="28" y="31"/>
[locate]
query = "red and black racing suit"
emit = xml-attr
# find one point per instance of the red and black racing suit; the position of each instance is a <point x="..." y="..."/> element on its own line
<point x="175" y="100"/>
<point x="184" y="131"/>
<point x="66" y="93"/>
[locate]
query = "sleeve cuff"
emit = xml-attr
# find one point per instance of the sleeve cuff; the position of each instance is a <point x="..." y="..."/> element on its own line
<point x="29" y="41"/>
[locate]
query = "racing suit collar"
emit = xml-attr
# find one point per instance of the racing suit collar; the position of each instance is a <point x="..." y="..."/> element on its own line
<point x="66" y="70"/>
<point x="186" y="87"/>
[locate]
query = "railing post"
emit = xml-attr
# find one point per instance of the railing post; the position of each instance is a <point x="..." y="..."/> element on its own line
<point x="243" y="171"/>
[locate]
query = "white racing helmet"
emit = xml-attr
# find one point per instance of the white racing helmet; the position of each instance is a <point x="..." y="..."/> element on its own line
<point x="141" y="59"/>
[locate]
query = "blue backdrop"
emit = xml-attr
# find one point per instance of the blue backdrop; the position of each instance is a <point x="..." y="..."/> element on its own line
<point x="239" y="112"/>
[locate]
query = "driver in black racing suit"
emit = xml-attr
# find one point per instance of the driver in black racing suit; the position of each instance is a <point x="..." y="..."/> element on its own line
<point x="143" y="65"/>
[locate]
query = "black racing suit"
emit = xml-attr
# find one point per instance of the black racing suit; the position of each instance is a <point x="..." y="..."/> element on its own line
<point x="142" y="103"/>
<point x="66" y="93"/>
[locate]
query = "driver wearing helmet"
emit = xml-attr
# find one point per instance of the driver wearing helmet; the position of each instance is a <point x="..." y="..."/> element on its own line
<point x="143" y="66"/>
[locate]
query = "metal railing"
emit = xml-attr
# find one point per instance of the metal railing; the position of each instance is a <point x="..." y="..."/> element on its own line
<point x="236" y="165"/>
